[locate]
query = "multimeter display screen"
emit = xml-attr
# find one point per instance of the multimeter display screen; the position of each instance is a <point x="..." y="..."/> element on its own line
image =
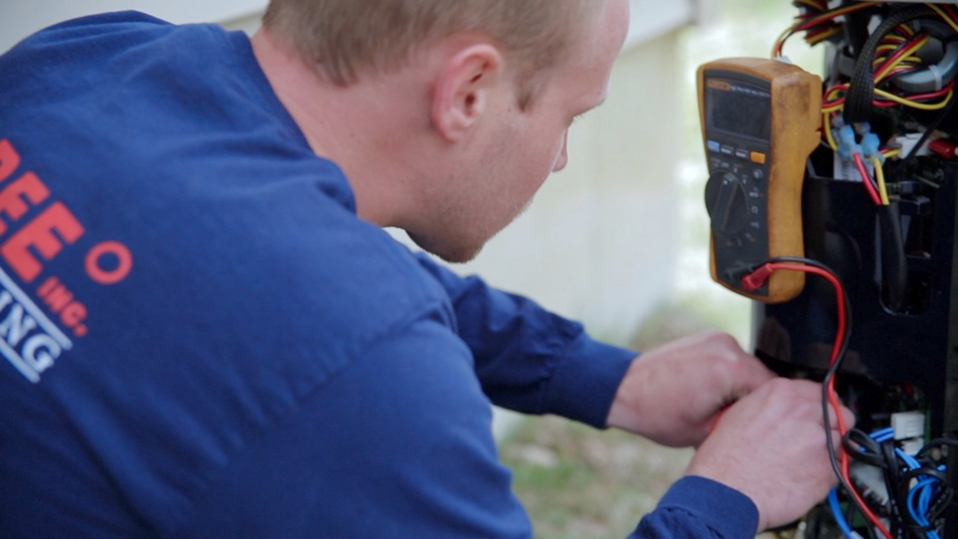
<point x="739" y="109"/>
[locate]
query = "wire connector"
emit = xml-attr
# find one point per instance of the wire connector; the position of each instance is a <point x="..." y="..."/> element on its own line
<point x="871" y="148"/>
<point x="847" y="145"/>
<point x="756" y="279"/>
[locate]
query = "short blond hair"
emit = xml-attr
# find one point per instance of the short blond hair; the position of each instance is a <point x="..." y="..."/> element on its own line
<point x="347" y="37"/>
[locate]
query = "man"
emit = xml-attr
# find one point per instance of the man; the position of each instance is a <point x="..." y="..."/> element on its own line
<point x="207" y="333"/>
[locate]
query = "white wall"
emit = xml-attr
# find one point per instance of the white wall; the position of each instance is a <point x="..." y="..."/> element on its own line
<point x="20" y="18"/>
<point x="599" y="242"/>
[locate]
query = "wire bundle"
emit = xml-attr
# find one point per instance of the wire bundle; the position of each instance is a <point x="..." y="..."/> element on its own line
<point x="890" y="52"/>
<point x="899" y="57"/>
<point x="918" y="489"/>
<point x="817" y="21"/>
<point x="840" y="464"/>
<point x="887" y="75"/>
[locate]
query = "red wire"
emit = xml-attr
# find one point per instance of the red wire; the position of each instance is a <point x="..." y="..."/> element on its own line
<point x="931" y="95"/>
<point x="767" y="269"/>
<point x="881" y="102"/>
<point x="825" y="17"/>
<point x="951" y="12"/>
<point x="902" y="49"/>
<point x="812" y="21"/>
<point x="866" y="179"/>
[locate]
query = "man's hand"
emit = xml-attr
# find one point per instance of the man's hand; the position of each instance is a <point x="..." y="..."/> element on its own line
<point x="771" y="446"/>
<point x="673" y="394"/>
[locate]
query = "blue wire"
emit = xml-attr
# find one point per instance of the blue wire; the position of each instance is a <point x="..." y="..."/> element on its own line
<point x="924" y="499"/>
<point x="837" y="513"/>
<point x="909" y="460"/>
<point x="924" y="489"/>
<point x="883" y="435"/>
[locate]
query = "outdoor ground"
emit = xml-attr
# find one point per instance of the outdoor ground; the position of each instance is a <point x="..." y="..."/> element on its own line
<point x="580" y="483"/>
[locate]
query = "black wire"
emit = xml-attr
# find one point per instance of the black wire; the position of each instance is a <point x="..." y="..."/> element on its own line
<point x="897" y="483"/>
<point x="904" y="487"/>
<point x="833" y="369"/>
<point x="940" y="504"/>
<point x="861" y="88"/>
<point x="935" y="443"/>
<point x="901" y="485"/>
<point x="892" y="480"/>
<point x="946" y="493"/>
<point x="872" y="454"/>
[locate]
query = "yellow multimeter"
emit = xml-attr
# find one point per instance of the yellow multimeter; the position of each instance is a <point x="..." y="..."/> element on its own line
<point x="761" y="119"/>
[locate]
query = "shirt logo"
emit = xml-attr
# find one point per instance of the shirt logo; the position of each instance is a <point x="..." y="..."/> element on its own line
<point x="29" y="339"/>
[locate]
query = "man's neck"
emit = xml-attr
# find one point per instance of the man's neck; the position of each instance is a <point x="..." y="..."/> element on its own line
<point x="358" y="127"/>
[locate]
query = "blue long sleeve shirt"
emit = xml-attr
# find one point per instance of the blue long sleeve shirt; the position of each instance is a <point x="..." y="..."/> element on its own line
<point x="201" y="339"/>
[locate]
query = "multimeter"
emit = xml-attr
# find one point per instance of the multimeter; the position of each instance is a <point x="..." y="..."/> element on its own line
<point x="761" y="119"/>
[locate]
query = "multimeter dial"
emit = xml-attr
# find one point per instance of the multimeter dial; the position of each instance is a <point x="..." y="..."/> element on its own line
<point x="727" y="203"/>
<point x="735" y="197"/>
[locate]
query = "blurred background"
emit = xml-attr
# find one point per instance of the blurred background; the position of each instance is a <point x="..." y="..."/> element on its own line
<point x="631" y="203"/>
<point x="618" y="240"/>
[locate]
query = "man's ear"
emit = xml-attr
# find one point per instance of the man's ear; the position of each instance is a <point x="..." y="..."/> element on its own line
<point x="463" y="88"/>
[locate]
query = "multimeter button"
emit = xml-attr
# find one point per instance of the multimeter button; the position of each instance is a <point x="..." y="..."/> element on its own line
<point x="758" y="157"/>
<point x="713" y="146"/>
<point x="741" y="153"/>
<point x="727" y="150"/>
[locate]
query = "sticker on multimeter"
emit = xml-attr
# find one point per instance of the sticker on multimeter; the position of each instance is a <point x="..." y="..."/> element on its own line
<point x="759" y="124"/>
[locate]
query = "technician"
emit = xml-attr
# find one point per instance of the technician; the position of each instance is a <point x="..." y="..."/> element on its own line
<point x="206" y="332"/>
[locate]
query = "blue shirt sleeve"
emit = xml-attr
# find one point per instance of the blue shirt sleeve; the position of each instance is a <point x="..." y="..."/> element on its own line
<point x="699" y="508"/>
<point x="530" y="360"/>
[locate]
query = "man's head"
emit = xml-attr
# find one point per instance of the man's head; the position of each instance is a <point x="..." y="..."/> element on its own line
<point x="346" y="38"/>
<point x="446" y="115"/>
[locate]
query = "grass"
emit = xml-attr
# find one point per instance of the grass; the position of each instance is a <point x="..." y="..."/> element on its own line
<point x="577" y="482"/>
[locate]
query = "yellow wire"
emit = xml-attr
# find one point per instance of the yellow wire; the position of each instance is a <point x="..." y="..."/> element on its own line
<point x="828" y="131"/>
<point x="911" y="50"/>
<point x="824" y="35"/>
<point x="915" y="104"/>
<point x="834" y="90"/>
<point x="827" y="16"/>
<point x="891" y="153"/>
<point x="780" y="42"/>
<point x="880" y="176"/>
<point x="829" y="95"/>
<point x="951" y="22"/>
